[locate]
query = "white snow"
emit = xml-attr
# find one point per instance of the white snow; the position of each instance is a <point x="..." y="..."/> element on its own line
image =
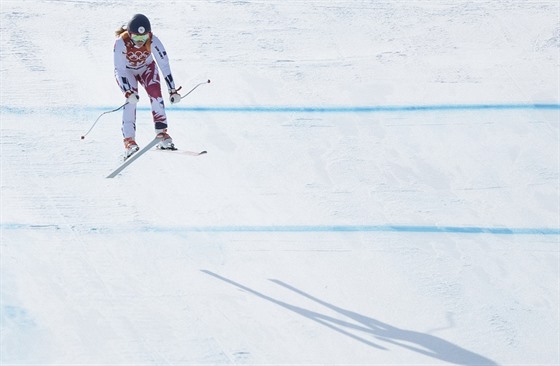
<point x="386" y="236"/>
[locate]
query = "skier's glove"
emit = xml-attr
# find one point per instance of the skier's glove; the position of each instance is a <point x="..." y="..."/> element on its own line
<point x="174" y="96"/>
<point x="131" y="97"/>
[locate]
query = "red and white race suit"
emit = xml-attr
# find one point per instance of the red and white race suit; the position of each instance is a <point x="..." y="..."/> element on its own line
<point x="135" y="65"/>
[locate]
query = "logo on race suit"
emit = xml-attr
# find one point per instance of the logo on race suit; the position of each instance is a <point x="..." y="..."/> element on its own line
<point x="137" y="57"/>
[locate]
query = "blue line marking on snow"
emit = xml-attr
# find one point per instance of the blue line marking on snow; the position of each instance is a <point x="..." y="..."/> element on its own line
<point x="366" y="109"/>
<point x="311" y="229"/>
<point x="357" y="228"/>
<point x="12" y="226"/>
<point x="294" y="109"/>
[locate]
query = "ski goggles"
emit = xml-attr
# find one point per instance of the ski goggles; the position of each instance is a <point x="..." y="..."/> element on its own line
<point x="139" y="37"/>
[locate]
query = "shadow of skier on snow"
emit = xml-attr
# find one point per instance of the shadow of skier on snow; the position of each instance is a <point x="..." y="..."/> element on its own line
<point x="422" y="343"/>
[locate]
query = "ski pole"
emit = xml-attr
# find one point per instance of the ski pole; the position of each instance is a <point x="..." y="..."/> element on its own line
<point x="94" y="123"/>
<point x="196" y="86"/>
<point x="122" y="106"/>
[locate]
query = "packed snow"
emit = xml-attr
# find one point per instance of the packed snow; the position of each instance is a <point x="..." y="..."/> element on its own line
<point x="381" y="185"/>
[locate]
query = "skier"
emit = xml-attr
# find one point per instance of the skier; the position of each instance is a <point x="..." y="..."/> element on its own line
<point x="134" y="54"/>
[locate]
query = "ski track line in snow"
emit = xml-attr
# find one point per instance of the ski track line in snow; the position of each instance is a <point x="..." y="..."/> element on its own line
<point x="317" y="229"/>
<point x="303" y="109"/>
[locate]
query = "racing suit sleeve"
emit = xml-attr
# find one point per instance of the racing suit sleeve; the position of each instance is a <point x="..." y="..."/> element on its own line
<point x="160" y="55"/>
<point x="119" y="59"/>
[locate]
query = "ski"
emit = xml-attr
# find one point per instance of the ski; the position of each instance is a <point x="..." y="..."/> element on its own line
<point x="193" y="153"/>
<point x="133" y="157"/>
<point x="185" y="152"/>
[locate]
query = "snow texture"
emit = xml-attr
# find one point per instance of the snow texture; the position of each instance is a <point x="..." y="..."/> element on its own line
<point x="381" y="186"/>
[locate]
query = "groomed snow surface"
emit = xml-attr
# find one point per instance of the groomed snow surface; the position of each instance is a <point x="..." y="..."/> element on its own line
<point x="381" y="186"/>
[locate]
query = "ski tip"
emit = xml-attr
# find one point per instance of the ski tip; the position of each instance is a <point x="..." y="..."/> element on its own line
<point x="203" y="152"/>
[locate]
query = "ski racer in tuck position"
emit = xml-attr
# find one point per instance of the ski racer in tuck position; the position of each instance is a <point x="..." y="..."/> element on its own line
<point x="135" y="50"/>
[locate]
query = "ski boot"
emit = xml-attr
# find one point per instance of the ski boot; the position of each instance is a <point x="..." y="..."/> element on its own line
<point x="166" y="142"/>
<point x="130" y="147"/>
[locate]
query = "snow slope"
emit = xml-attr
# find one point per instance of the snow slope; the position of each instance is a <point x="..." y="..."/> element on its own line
<point x="381" y="188"/>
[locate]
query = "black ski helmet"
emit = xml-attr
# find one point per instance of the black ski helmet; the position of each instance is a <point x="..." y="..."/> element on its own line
<point x="139" y="24"/>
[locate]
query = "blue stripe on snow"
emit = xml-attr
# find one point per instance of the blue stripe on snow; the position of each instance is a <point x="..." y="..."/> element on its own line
<point x="313" y="229"/>
<point x="367" y="109"/>
<point x="357" y="228"/>
<point x="293" y="109"/>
